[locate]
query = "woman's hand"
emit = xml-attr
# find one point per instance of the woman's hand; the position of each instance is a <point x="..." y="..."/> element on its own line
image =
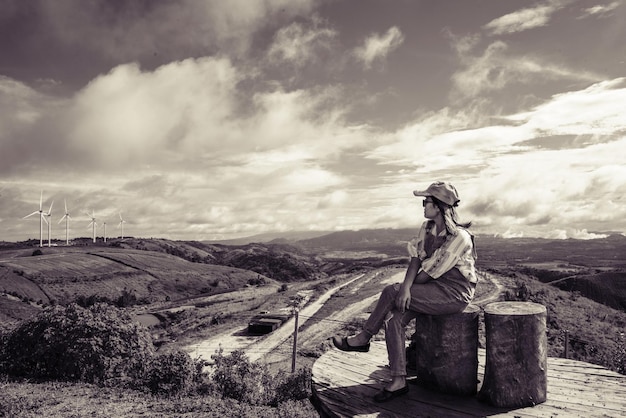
<point x="403" y="299"/>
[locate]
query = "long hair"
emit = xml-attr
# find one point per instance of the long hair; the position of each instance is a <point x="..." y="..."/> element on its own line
<point x="450" y="217"/>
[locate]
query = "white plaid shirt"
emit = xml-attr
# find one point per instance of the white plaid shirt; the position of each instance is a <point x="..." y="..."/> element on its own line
<point x="456" y="251"/>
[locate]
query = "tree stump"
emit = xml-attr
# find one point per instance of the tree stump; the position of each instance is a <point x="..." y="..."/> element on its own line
<point x="447" y="351"/>
<point x="516" y="355"/>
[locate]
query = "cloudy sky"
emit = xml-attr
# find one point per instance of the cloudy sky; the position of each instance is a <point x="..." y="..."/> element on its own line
<point x="217" y="119"/>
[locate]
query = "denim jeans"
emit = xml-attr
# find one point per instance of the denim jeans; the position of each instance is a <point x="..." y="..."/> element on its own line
<point x="448" y="294"/>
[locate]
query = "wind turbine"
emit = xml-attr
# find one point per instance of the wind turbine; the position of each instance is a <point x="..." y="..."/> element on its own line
<point x="93" y="223"/>
<point x="67" y="218"/>
<point x="41" y="219"/>
<point x="104" y="224"/>
<point x="49" y="221"/>
<point x="121" y="224"/>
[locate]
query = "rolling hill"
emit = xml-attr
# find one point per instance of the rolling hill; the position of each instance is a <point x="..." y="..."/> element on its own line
<point x="607" y="288"/>
<point x="63" y="275"/>
<point x="145" y="271"/>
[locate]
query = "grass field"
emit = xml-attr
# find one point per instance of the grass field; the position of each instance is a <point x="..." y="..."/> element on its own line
<point x="62" y="274"/>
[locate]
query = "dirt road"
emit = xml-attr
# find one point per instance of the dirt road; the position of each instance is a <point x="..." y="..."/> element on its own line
<point x="276" y="347"/>
<point x="494" y="294"/>
<point x="257" y="347"/>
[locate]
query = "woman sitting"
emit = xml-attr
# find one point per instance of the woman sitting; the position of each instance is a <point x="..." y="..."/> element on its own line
<point x="440" y="280"/>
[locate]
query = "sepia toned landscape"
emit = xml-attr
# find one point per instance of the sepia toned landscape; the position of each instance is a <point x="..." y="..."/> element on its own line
<point x="195" y="195"/>
<point x="199" y="297"/>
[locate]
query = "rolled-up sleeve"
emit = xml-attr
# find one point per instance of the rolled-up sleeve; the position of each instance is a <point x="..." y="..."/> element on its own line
<point x="448" y="255"/>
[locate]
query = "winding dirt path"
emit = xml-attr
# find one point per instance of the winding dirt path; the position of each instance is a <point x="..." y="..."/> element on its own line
<point x="265" y="347"/>
<point x="492" y="296"/>
<point x="257" y="347"/>
<point x="350" y="312"/>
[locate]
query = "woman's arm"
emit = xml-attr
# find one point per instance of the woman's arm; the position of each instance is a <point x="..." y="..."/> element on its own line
<point x="403" y="299"/>
<point x="411" y="273"/>
<point x="415" y="248"/>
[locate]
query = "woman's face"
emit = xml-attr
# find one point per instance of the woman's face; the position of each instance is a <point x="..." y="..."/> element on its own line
<point x="430" y="209"/>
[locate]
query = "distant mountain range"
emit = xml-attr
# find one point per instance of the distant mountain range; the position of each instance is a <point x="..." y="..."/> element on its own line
<point x="609" y="251"/>
<point x="291" y="236"/>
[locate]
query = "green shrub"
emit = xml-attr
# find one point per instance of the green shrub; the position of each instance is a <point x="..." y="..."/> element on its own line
<point x="99" y="345"/>
<point x="171" y="373"/>
<point x="126" y="299"/>
<point x="87" y="301"/>
<point x="237" y="378"/>
<point x="293" y="386"/>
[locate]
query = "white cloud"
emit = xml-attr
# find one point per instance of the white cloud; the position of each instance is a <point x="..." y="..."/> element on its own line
<point x="257" y="170"/>
<point x="495" y="69"/>
<point x="537" y="190"/>
<point x="271" y="167"/>
<point x="191" y="112"/>
<point x="525" y="19"/>
<point x="177" y="147"/>
<point x="133" y="117"/>
<point x="336" y="198"/>
<point x="441" y="142"/>
<point x="510" y="183"/>
<point x="463" y="45"/>
<point x="573" y="234"/>
<point x="511" y="234"/>
<point x="600" y="10"/>
<point x="378" y="47"/>
<point x="298" y="45"/>
<point x="596" y="110"/>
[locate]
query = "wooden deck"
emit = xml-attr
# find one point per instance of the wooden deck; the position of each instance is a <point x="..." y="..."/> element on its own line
<point x="344" y="383"/>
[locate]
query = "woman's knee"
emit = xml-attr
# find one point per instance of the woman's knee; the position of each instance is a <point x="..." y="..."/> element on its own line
<point x="390" y="290"/>
<point x="395" y="325"/>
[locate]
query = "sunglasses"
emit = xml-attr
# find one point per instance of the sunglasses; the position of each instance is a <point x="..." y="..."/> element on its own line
<point x="425" y="201"/>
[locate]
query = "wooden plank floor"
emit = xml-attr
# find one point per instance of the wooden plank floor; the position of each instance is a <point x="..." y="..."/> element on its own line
<point x="344" y="383"/>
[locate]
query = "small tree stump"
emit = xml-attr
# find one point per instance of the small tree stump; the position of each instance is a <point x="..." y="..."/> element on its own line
<point x="447" y="351"/>
<point x="516" y="355"/>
